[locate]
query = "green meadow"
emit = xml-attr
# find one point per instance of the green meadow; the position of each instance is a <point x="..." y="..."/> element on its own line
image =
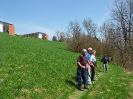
<point x="32" y="68"/>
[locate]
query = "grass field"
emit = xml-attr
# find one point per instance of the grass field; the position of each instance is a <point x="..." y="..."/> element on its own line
<point x="115" y="84"/>
<point x="37" y="69"/>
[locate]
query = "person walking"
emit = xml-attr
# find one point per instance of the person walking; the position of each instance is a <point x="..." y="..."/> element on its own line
<point x="82" y="63"/>
<point x="88" y="72"/>
<point x="105" y="61"/>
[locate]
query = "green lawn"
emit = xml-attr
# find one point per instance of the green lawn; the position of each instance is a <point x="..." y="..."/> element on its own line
<point x="38" y="69"/>
<point x="115" y="84"/>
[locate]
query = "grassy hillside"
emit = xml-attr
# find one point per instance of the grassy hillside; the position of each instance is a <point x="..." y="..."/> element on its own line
<point x="34" y="68"/>
<point x="37" y="69"/>
<point x="115" y="84"/>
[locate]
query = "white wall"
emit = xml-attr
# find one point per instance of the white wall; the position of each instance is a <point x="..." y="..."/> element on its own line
<point x="40" y="35"/>
<point x="1" y="27"/>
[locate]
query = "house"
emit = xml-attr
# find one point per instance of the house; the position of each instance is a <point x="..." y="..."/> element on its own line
<point x="37" y="35"/>
<point x="6" y="28"/>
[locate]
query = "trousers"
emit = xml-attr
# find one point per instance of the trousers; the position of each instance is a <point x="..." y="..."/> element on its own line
<point x="81" y="76"/>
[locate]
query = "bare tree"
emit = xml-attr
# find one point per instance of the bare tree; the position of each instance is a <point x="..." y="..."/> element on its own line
<point x="62" y="37"/>
<point x="105" y="32"/>
<point x="75" y="29"/>
<point x="90" y="27"/>
<point x="122" y="15"/>
<point x="79" y="40"/>
<point x="104" y="29"/>
<point x="57" y="35"/>
<point x="75" y="32"/>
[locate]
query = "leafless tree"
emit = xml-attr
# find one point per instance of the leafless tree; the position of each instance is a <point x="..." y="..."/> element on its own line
<point x="79" y="39"/>
<point x="75" y="32"/>
<point x="60" y="36"/>
<point x="122" y="16"/>
<point x="57" y="35"/>
<point x="90" y="27"/>
<point x="104" y="31"/>
<point x="75" y="29"/>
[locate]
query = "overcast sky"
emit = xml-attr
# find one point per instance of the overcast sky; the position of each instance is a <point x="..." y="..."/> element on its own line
<point x="47" y="16"/>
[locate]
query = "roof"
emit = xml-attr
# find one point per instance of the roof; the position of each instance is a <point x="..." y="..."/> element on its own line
<point x="5" y="22"/>
<point x="36" y="33"/>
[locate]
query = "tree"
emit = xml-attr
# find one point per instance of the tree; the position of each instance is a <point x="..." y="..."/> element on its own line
<point x="54" y="38"/>
<point x="75" y="32"/>
<point x="57" y="35"/>
<point x="122" y="16"/>
<point x="60" y="36"/>
<point x="104" y="31"/>
<point x="79" y="39"/>
<point x="90" y="27"/>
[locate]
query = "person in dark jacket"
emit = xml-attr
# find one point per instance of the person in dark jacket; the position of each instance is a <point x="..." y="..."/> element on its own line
<point x="105" y="61"/>
<point x="82" y="63"/>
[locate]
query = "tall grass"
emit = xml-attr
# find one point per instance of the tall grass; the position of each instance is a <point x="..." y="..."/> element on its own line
<point x="34" y="68"/>
<point x="115" y="84"/>
<point x="37" y="69"/>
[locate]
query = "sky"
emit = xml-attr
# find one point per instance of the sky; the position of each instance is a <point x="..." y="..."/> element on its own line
<point x="48" y="16"/>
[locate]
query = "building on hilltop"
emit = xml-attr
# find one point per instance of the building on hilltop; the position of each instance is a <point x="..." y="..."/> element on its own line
<point x="6" y="28"/>
<point x="37" y="35"/>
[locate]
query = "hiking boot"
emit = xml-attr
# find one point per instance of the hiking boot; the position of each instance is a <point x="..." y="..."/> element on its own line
<point x="86" y="87"/>
<point x="80" y="88"/>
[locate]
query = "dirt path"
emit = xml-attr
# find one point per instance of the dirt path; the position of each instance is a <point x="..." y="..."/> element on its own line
<point x="77" y="94"/>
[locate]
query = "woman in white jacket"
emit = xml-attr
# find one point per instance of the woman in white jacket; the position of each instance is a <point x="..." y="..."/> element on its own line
<point x="93" y="62"/>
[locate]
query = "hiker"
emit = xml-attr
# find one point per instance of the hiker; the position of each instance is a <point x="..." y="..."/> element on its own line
<point x="88" y="72"/>
<point x="82" y="62"/>
<point x="105" y="61"/>
<point x="93" y="64"/>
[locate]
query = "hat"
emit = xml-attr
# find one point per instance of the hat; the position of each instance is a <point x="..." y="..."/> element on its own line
<point x="90" y="48"/>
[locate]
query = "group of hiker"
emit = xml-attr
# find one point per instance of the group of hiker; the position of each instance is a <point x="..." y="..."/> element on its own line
<point x="86" y="63"/>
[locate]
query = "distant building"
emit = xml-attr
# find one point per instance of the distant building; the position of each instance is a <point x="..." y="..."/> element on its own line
<point x="6" y="28"/>
<point x="37" y="35"/>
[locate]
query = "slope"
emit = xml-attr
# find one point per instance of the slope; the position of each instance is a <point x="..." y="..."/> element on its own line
<point x="35" y="68"/>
